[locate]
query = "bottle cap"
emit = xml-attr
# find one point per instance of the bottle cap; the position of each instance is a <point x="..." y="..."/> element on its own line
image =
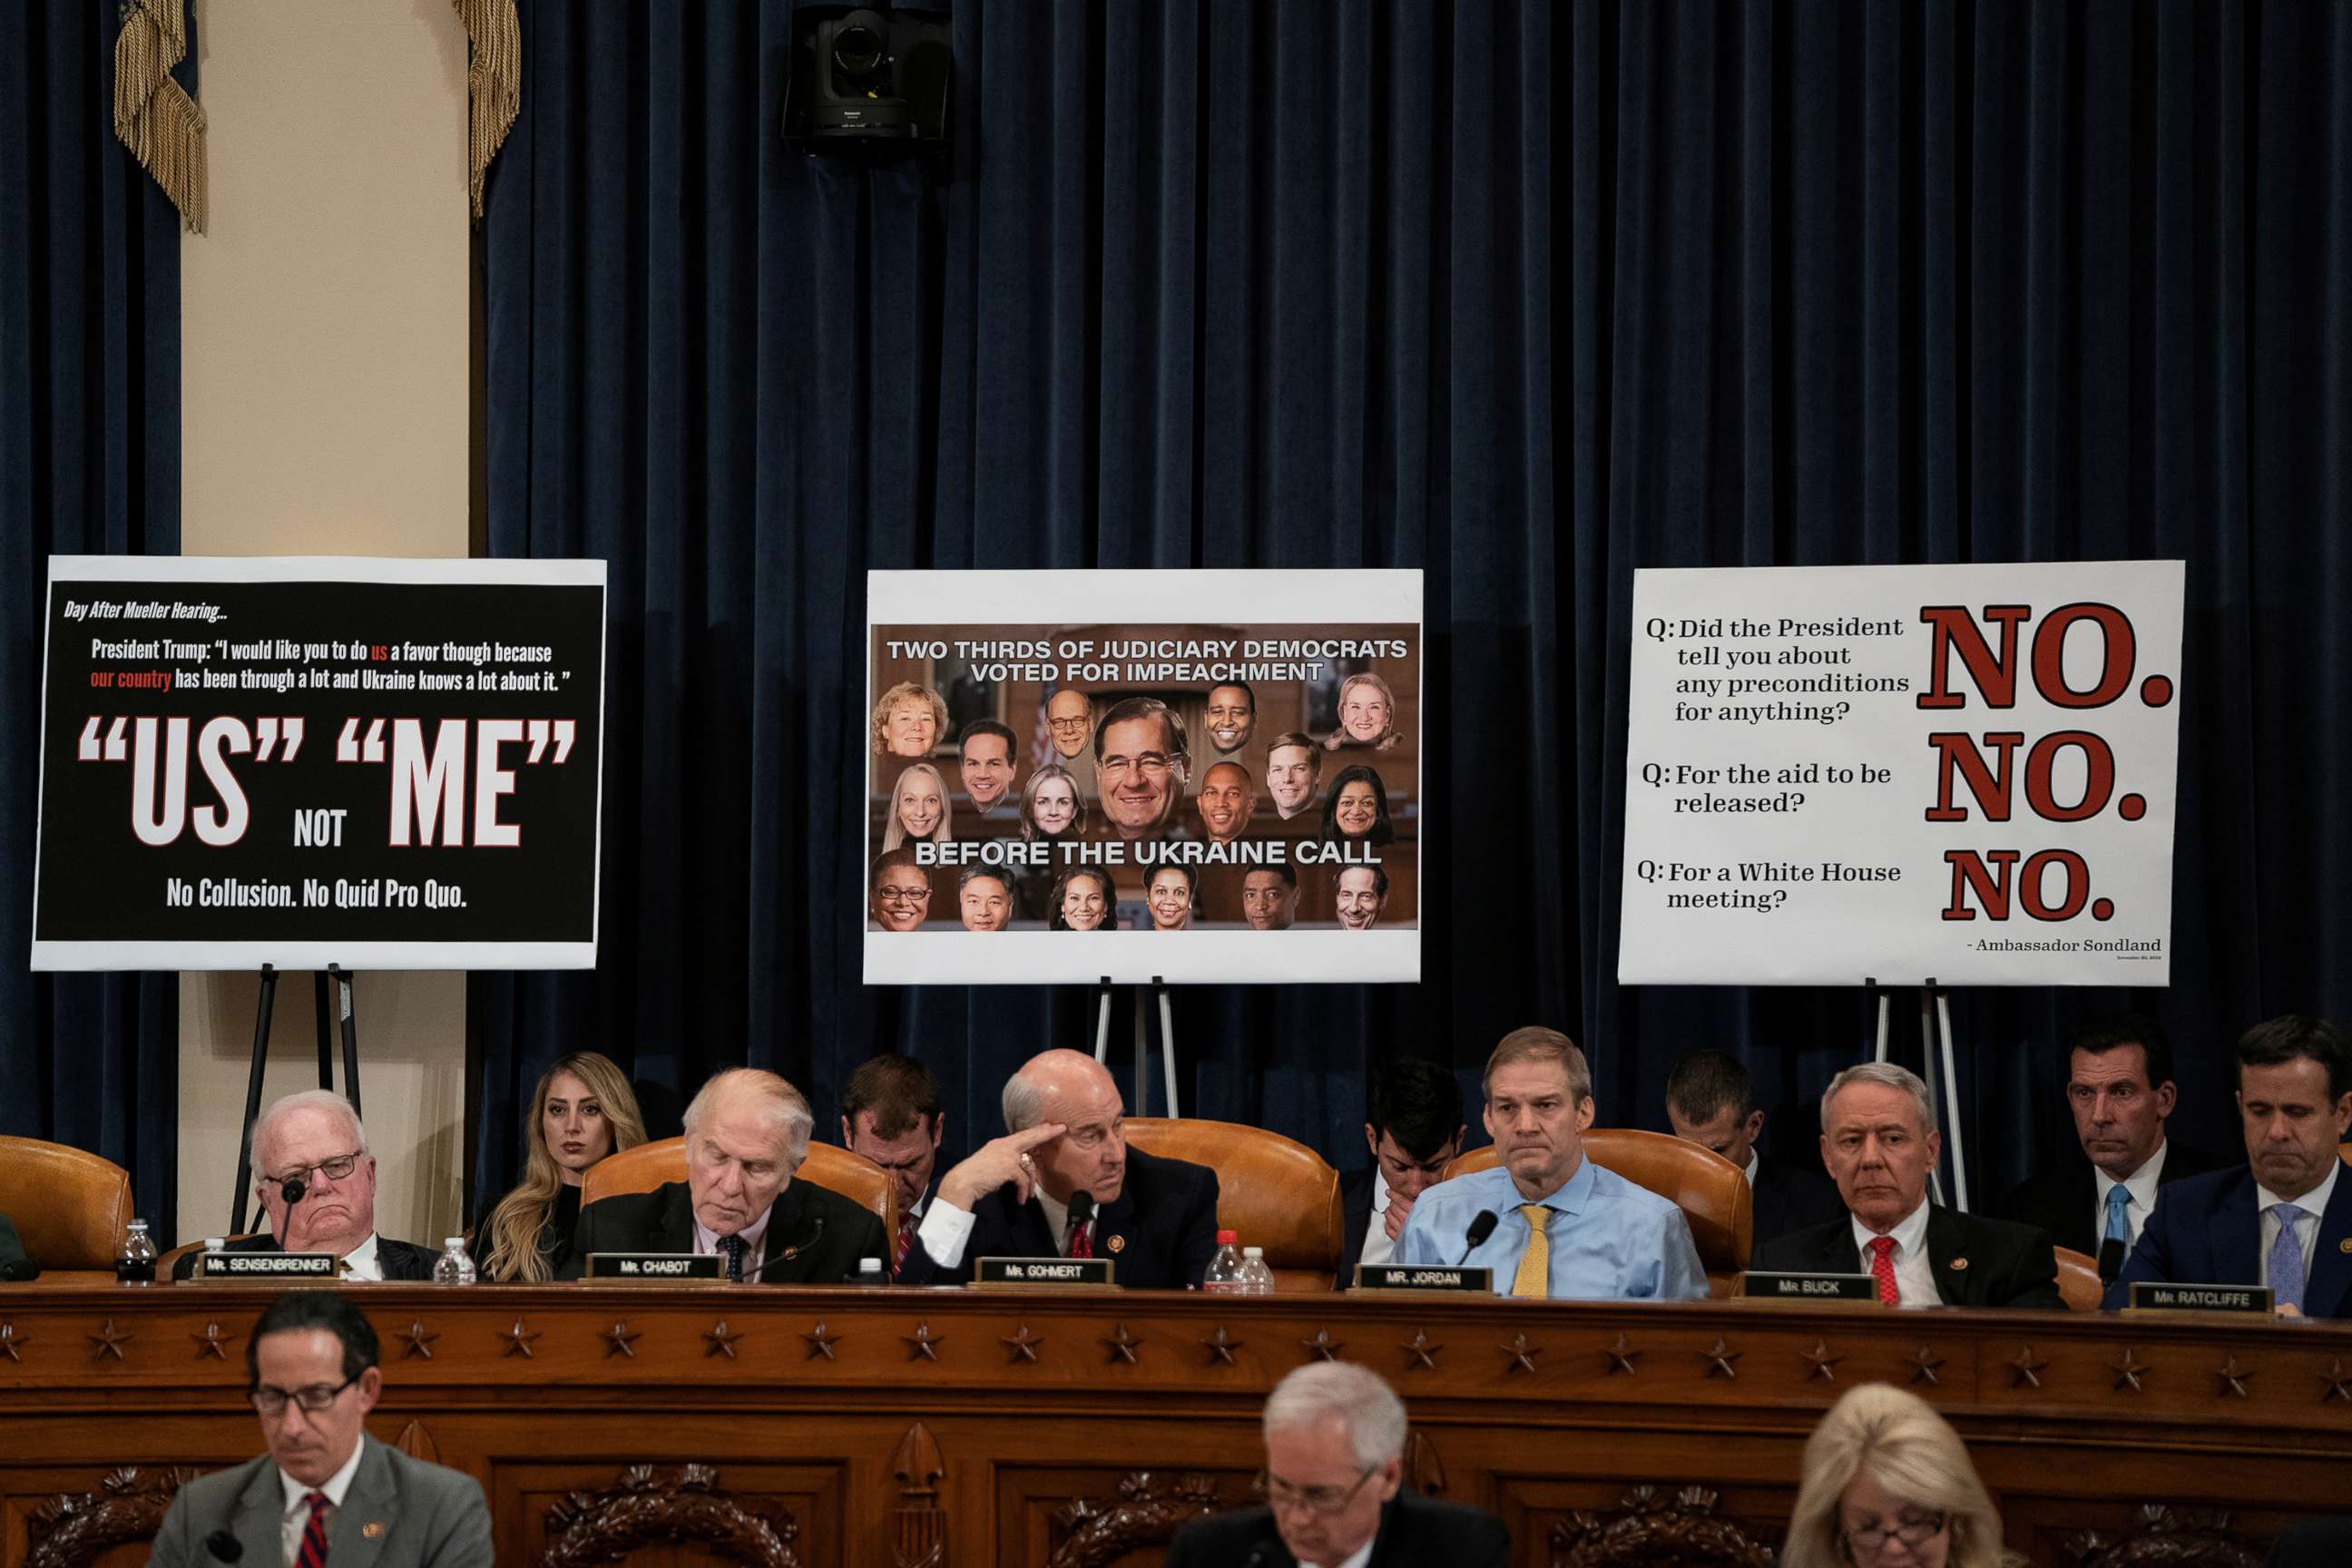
<point x="216" y="1242"/>
<point x="1227" y="1237"/>
<point x="138" y="1224"/>
<point x="1254" y="1252"/>
<point x="869" y="1266"/>
<point x="453" y="1241"/>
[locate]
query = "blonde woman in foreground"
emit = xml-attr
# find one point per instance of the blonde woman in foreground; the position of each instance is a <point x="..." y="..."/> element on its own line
<point x="1888" y="1485"/>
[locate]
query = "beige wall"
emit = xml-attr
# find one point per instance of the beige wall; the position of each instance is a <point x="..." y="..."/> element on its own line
<point x="324" y="339"/>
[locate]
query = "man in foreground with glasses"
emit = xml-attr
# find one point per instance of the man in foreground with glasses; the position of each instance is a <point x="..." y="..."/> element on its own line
<point x="1334" y="1488"/>
<point x="316" y="1181"/>
<point x="325" y="1491"/>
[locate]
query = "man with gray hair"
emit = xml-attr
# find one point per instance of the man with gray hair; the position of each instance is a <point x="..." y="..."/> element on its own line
<point x="1334" y="1488"/>
<point x="1879" y="1141"/>
<point x="747" y="1132"/>
<point x="316" y="1182"/>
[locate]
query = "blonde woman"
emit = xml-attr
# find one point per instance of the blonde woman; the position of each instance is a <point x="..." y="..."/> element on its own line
<point x="1366" y="714"/>
<point x="909" y="721"/>
<point x="1888" y="1485"/>
<point x="582" y="1110"/>
<point x="918" y="808"/>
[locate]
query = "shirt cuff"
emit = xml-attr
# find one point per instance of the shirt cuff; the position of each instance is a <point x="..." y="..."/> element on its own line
<point x="944" y="1232"/>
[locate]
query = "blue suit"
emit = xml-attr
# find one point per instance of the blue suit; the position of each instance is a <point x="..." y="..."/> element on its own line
<point x="2206" y="1231"/>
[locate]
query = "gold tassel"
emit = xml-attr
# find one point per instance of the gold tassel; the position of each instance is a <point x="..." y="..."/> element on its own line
<point x="153" y="115"/>
<point x="493" y="83"/>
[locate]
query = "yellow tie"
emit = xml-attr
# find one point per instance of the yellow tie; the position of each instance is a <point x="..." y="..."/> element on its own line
<point x="1534" y="1278"/>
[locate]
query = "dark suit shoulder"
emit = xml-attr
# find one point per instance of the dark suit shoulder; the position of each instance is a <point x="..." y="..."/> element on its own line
<point x="1424" y="1529"/>
<point x="2181" y="1161"/>
<point x="1223" y="1540"/>
<point x="1814" y="1246"/>
<point x="404" y="1259"/>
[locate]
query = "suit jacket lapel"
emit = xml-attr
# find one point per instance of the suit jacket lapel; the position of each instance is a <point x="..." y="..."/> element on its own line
<point x="260" y="1521"/>
<point x="1948" y="1244"/>
<point x="787" y="1232"/>
<point x="366" y="1520"/>
<point x="677" y="1220"/>
<point x="1116" y="1218"/>
<point x="2331" y="1265"/>
<point x="2237" y="1235"/>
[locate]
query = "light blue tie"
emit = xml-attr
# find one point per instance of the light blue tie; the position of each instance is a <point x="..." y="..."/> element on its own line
<point x="2286" y="1259"/>
<point x="2118" y="1222"/>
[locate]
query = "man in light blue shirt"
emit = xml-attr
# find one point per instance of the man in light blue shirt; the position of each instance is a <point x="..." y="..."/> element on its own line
<point x="1567" y="1227"/>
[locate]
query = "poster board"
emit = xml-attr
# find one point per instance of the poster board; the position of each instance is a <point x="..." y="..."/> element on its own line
<point x="379" y="763"/>
<point x="1966" y="773"/>
<point x="1274" y="861"/>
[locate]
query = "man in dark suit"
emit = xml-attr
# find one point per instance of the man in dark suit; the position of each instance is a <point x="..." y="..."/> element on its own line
<point x="2311" y="1543"/>
<point x="1879" y="1143"/>
<point x="891" y="1113"/>
<point x="325" y="1491"/>
<point x="2119" y="1087"/>
<point x="1063" y="1182"/>
<point x="747" y="1133"/>
<point x="1334" y="1488"/>
<point x="2284" y="1219"/>
<point x="1711" y="1101"/>
<point x="316" y="1182"/>
<point x="1415" y="1126"/>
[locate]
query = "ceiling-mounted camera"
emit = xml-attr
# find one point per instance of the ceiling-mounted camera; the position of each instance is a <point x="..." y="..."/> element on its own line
<point x="868" y="79"/>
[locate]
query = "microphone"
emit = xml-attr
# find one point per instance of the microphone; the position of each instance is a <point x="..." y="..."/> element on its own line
<point x="1082" y="1209"/>
<point x="816" y="1223"/>
<point x="2111" y="1259"/>
<point x="293" y="1191"/>
<point x="1480" y="1229"/>
<point x="225" y="1547"/>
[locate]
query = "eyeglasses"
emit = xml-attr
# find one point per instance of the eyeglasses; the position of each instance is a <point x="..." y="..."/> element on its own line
<point x="334" y="1169"/>
<point x="1077" y="723"/>
<point x="1280" y="1494"/>
<point x="1911" y="1529"/>
<point x="1151" y="765"/>
<point x="272" y="1402"/>
<point x="902" y="895"/>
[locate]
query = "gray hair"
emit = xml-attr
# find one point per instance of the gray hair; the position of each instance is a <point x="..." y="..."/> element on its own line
<point x="1358" y="1396"/>
<point x="1886" y="1075"/>
<point x="1024" y="1104"/>
<point x="308" y="1100"/>
<point x="787" y="1104"/>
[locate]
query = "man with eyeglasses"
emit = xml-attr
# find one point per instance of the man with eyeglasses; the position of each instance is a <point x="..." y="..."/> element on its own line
<point x="1141" y="763"/>
<point x="316" y="1181"/>
<point x="325" y="1491"/>
<point x="1063" y="1182"/>
<point x="1334" y="1488"/>
<point x="1069" y="717"/>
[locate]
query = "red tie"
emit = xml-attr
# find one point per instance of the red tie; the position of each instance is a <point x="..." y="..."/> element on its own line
<point x="1882" y="1269"/>
<point x="1082" y="1240"/>
<point x="906" y="1242"/>
<point x="313" y="1551"/>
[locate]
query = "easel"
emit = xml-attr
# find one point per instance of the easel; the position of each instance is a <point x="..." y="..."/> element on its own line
<point x="1936" y="1047"/>
<point x="1142" y="1106"/>
<point x="340" y="979"/>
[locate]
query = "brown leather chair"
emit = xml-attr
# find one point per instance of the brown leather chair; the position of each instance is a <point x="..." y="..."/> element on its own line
<point x="2345" y="1150"/>
<point x="1710" y="1190"/>
<point x="1276" y="1191"/>
<point x="2078" y="1279"/>
<point x="69" y="1206"/>
<point x="650" y="1166"/>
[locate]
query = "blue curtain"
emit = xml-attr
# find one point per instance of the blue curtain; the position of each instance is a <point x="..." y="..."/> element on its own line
<point x="1242" y="284"/>
<point x="90" y="463"/>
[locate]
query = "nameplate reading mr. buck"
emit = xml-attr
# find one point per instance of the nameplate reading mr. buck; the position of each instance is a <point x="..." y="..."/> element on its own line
<point x="1757" y="1285"/>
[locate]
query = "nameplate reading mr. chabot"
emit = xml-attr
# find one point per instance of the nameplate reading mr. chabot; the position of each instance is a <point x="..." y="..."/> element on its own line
<point x="1042" y="1271"/>
<point x="2151" y="1296"/>
<point x="652" y="1266"/>
<point x="271" y="1266"/>
<point x="1757" y="1285"/>
<point x="1423" y="1277"/>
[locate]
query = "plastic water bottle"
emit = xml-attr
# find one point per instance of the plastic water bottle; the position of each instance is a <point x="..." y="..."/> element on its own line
<point x="869" y="1272"/>
<point x="1224" y="1278"/>
<point x="1255" y="1278"/>
<point x="212" y="1244"/>
<point x="453" y="1266"/>
<point x="135" y="1263"/>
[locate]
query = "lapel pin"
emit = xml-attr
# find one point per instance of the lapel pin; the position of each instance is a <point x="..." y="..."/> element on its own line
<point x="373" y="1530"/>
<point x="1960" y="1263"/>
<point x="1118" y="1243"/>
<point x="2345" y="1244"/>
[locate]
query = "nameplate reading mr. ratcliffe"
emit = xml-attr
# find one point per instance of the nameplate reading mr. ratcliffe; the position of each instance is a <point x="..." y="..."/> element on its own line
<point x="651" y="1267"/>
<point x="2152" y="1296"/>
<point x="1042" y="1271"/>
<point x="1423" y="1277"/>
<point x="270" y="1265"/>
<point x="1758" y="1286"/>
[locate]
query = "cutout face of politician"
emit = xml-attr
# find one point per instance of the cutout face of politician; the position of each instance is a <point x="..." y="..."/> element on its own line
<point x="987" y="902"/>
<point x="1291" y="772"/>
<point x="1365" y="712"/>
<point x="1170" y="895"/>
<point x="987" y="767"/>
<point x="919" y="803"/>
<point x="1069" y="717"/>
<point x="1054" y="805"/>
<point x="1085" y="902"/>
<point x="1137" y="774"/>
<point x="902" y="897"/>
<point x="1232" y="715"/>
<point x="1269" y="900"/>
<point x="1362" y="896"/>
<point x="910" y="724"/>
<point x="1356" y="810"/>
<point x="1225" y="800"/>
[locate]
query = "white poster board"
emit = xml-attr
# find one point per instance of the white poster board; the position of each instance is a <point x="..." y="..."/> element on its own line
<point x="1961" y="773"/>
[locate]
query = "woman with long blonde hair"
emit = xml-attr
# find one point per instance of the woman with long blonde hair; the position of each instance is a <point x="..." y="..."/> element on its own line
<point x="918" y="808"/>
<point x="582" y="1110"/>
<point x="1888" y="1484"/>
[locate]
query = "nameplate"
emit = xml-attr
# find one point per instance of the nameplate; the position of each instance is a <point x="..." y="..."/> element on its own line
<point x="651" y="1267"/>
<point x="227" y="1265"/>
<point x="1055" y="1271"/>
<point x="1423" y="1276"/>
<point x="1757" y="1285"/>
<point x="2154" y="1296"/>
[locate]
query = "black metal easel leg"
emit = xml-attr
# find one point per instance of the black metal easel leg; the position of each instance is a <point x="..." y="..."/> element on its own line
<point x="344" y="1008"/>
<point x="267" y="1003"/>
<point x="326" y="1030"/>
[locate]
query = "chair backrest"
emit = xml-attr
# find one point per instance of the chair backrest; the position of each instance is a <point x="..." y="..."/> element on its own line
<point x="1710" y="1190"/>
<point x="2345" y="1150"/>
<point x="69" y="1206"/>
<point x="2078" y="1279"/>
<point x="654" y="1164"/>
<point x="1276" y="1191"/>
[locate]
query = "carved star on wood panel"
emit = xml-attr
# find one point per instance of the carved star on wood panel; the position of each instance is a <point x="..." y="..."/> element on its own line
<point x="108" y="1341"/>
<point x="2233" y="1378"/>
<point x="2025" y="1369"/>
<point x="12" y="1344"/>
<point x="923" y="1344"/>
<point x="1121" y="1344"/>
<point x="1523" y="1355"/>
<point x="2339" y="1380"/>
<point x="1423" y="1351"/>
<point x="1023" y="1345"/>
<point x="720" y="1340"/>
<point x="1719" y="1360"/>
<point x="2130" y="1371"/>
<point x="1621" y="1356"/>
<point x="1925" y="1363"/>
<point x="821" y="1342"/>
<point x="1824" y="1364"/>
<point x="1323" y="1346"/>
<point x="212" y="1342"/>
<point x="518" y="1340"/>
<point x="420" y="1343"/>
<point x="622" y="1339"/>
<point x="1221" y="1347"/>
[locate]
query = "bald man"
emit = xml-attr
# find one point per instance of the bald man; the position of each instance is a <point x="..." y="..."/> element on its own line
<point x="1018" y="1196"/>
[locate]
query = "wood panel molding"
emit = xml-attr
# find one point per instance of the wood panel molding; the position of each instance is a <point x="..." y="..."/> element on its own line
<point x="2161" y="1536"/>
<point x="70" y="1529"/>
<point x="1651" y="1524"/>
<point x="647" y="1503"/>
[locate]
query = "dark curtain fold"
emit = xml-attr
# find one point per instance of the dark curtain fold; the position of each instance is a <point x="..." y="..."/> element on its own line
<point x="90" y="463"/>
<point x="1238" y="284"/>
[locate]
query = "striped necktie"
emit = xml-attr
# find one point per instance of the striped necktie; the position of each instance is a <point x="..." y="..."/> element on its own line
<point x="313" y="1552"/>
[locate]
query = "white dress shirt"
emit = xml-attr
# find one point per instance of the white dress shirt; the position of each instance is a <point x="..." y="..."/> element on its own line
<point x="1359" y="1557"/>
<point x="1378" y="1247"/>
<point x="362" y="1263"/>
<point x="1754" y="1161"/>
<point x="297" y="1517"/>
<point x="2307" y="1231"/>
<point x="755" y="1244"/>
<point x="2141" y="1185"/>
<point x="1915" y="1276"/>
